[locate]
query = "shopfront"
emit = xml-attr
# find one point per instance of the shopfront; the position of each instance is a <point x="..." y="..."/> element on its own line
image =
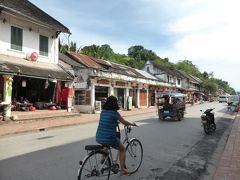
<point x="152" y="96"/>
<point x="134" y="94"/>
<point x="27" y="85"/>
<point x="120" y="94"/>
<point x="101" y="95"/>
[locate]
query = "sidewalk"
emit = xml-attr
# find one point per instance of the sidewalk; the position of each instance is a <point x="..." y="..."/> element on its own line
<point x="42" y="121"/>
<point x="229" y="164"/>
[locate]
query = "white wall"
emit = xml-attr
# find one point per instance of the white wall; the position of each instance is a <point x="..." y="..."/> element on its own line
<point x="30" y="39"/>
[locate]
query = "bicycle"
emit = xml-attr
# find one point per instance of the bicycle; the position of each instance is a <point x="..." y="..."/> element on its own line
<point x="100" y="164"/>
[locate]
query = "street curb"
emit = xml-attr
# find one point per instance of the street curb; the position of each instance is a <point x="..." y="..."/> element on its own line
<point x="44" y="128"/>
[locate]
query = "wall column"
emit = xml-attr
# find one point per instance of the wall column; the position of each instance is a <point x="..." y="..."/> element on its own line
<point x="147" y="97"/>
<point x="126" y="98"/>
<point x="111" y="91"/>
<point x="92" y="97"/>
<point x="7" y="96"/>
<point x="138" y="97"/>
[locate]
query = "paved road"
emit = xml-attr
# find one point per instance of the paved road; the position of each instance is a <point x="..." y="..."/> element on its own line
<point x="171" y="149"/>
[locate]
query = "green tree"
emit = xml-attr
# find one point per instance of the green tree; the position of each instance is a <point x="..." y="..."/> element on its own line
<point x="209" y="86"/>
<point x="73" y="46"/>
<point x="138" y="52"/>
<point x="188" y="67"/>
<point x="101" y="52"/>
<point x="63" y="48"/>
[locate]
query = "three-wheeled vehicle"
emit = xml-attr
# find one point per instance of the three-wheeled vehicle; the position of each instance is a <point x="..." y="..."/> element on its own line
<point x="171" y="105"/>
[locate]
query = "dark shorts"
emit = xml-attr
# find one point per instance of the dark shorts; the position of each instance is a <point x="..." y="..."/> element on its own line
<point x="116" y="142"/>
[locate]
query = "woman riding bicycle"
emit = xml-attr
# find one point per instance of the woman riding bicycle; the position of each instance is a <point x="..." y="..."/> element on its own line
<point x="107" y="129"/>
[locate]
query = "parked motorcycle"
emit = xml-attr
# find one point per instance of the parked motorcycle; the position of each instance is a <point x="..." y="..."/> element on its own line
<point x="208" y="121"/>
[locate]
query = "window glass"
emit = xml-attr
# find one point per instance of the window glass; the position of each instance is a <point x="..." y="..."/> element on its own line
<point x="43" y="45"/>
<point x="179" y="82"/>
<point x="16" y="38"/>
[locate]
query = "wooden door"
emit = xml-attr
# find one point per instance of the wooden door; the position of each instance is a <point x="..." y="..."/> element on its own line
<point x="143" y="97"/>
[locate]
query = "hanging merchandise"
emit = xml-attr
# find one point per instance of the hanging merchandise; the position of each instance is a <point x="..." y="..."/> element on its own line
<point x="24" y="83"/>
<point x="46" y="84"/>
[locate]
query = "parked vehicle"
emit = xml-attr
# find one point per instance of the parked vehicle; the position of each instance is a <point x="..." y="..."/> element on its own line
<point x="208" y="121"/>
<point x="223" y="98"/>
<point x="233" y="100"/>
<point x="171" y="105"/>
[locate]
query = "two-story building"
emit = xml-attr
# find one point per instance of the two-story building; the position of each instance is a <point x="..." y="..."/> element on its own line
<point x="29" y="55"/>
<point x="180" y="81"/>
<point x="165" y="74"/>
<point x="191" y="86"/>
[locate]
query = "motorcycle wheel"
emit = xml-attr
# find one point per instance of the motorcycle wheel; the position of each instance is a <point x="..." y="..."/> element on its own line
<point x="206" y="129"/>
<point x="213" y="127"/>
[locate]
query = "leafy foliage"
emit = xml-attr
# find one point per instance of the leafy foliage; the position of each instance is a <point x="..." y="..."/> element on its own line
<point x="63" y="48"/>
<point x="209" y="86"/>
<point x="137" y="56"/>
<point x="188" y="67"/>
<point x="101" y="52"/>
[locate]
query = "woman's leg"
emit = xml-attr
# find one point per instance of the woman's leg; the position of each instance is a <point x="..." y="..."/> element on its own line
<point x="122" y="158"/>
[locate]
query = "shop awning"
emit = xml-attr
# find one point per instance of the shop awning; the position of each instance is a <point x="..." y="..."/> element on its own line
<point x="21" y="67"/>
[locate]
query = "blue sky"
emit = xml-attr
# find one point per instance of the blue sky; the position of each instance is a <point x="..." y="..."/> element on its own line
<point x="205" y="32"/>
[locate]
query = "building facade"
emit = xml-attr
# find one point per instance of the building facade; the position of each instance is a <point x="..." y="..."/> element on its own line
<point x="96" y="79"/>
<point x="29" y="55"/>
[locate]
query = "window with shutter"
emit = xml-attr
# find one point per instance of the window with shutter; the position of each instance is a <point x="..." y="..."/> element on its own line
<point x="43" y="45"/>
<point x="16" y="38"/>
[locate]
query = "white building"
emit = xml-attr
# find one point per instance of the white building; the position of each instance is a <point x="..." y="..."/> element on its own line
<point x="29" y="54"/>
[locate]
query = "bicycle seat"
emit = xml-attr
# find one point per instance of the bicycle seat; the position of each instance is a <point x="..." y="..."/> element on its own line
<point x="96" y="147"/>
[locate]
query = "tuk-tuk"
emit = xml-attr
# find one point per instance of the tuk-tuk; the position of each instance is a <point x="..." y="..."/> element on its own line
<point x="171" y="105"/>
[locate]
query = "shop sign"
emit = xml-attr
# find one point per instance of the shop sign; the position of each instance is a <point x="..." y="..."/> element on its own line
<point x="103" y="81"/>
<point x="119" y="83"/>
<point x="81" y="85"/>
<point x="152" y="88"/>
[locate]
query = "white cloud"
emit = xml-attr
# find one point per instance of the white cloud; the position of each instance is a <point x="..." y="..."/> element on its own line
<point x="211" y="34"/>
<point x="205" y="32"/>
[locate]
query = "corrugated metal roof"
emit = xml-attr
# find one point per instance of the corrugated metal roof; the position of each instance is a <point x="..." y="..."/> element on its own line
<point x="69" y="60"/>
<point x="171" y="71"/>
<point x="147" y="75"/>
<point x="126" y="70"/>
<point x="102" y="62"/>
<point x="30" y="11"/>
<point x="196" y="78"/>
<point x="188" y="76"/>
<point x="85" y="60"/>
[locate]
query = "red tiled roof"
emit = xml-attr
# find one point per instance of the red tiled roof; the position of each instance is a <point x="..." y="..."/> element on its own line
<point x="85" y="60"/>
<point x="102" y="62"/>
<point x="96" y="63"/>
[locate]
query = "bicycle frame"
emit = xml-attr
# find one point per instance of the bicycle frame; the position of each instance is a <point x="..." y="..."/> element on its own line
<point x="101" y="158"/>
<point x="127" y="130"/>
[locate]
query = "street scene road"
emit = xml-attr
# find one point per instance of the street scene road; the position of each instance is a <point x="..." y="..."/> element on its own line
<point x="172" y="149"/>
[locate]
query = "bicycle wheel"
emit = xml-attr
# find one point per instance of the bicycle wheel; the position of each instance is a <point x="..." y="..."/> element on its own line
<point x="95" y="166"/>
<point x="134" y="155"/>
